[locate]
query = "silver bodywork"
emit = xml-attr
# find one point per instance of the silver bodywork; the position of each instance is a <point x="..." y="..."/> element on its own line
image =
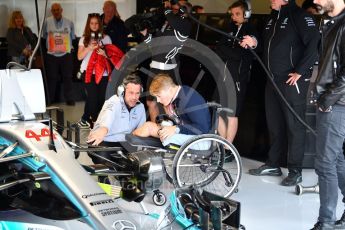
<point x="30" y="142"/>
<point x="97" y="209"/>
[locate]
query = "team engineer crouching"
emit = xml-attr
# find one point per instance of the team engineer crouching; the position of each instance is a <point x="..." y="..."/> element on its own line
<point x="120" y="115"/>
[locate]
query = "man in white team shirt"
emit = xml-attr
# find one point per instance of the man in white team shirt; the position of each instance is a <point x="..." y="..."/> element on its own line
<point x="120" y="115"/>
<point x="58" y="32"/>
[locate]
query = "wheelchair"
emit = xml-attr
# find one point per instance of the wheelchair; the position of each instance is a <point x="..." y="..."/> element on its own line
<point x="216" y="169"/>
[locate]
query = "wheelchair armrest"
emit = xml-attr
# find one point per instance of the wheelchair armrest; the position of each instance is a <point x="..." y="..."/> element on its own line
<point x="219" y="108"/>
<point x="143" y="141"/>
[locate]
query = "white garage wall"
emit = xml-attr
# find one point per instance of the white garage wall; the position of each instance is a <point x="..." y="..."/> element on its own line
<point x="75" y="10"/>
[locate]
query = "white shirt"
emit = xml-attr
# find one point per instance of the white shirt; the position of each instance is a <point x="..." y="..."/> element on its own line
<point x="105" y="40"/>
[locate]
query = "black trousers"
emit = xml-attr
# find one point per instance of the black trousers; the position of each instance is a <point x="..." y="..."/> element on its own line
<point x="287" y="134"/>
<point x="60" y="69"/>
<point x="240" y="79"/>
<point x="95" y="97"/>
<point x="105" y="154"/>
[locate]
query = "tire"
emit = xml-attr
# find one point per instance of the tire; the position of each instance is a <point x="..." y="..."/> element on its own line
<point x="168" y="167"/>
<point x="211" y="173"/>
<point x="159" y="198"/>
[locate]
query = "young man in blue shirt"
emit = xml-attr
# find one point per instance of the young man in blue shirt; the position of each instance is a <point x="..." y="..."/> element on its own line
<point x="183" y="104"/>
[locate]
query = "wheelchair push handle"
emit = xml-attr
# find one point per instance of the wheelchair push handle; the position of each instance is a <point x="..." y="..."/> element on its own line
<point x="219" y="107"/>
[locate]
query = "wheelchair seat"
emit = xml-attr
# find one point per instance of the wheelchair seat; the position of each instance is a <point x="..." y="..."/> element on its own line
<point x="152" y="142"/>
<point x="147" y="142"/>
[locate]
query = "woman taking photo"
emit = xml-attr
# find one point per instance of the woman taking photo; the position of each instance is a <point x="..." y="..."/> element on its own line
<point x="91" y="51"/>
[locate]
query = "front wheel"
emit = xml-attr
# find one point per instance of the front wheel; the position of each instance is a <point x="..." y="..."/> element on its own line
<point x="159" y="198"/>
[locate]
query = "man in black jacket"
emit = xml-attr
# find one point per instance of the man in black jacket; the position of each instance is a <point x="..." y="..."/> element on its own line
<point x="290" y="43"/>
<point x="238" y="59"/>
<point x="114" y="26"/>
<point x="177" y="27"/>
<point x="330" y="118"/>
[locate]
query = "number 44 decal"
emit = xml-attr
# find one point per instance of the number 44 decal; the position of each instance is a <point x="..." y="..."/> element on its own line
<point x="44" y="133"/>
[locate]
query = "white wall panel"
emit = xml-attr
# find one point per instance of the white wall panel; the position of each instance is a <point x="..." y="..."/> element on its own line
<point x="75" y="10"/>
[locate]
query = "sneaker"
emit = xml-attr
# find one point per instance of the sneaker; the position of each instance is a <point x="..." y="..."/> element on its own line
<point x="265" y="170"/>
<point x="323" y="226"/>
<point x="340" y="224"/>
<point x="83" y="124"/>
<point x="294" y="177"/>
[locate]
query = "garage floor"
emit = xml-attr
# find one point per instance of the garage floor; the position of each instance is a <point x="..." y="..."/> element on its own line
<point x="265" y="204"/>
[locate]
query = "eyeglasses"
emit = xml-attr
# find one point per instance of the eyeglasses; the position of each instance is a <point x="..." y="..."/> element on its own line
<point x="94" y="15"/>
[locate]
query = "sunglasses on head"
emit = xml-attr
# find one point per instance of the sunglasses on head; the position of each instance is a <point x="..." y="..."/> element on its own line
<point x="94" y="15"/>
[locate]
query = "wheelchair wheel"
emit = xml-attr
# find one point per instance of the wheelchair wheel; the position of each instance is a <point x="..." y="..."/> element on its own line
<point x="216" y="169"/>
<point x="168" y="160"/>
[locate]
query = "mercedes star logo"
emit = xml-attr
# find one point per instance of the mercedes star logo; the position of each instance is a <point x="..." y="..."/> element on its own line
<point x="123" y="225"/>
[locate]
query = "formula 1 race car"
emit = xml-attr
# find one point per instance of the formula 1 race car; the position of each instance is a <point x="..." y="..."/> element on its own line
<point x="42" y="185"/>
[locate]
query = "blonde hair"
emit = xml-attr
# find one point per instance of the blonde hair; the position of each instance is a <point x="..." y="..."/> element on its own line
<point x="161" y="81"/>
<point x="112" y="4"/>
<point x="15" y="14"/>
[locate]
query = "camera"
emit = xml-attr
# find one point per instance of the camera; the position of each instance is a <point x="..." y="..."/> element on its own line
<point x="152" y="21"/>
<point x="96" y="36"/>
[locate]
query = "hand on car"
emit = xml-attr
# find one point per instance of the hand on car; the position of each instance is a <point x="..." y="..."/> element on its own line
<point x="97" y="136"/>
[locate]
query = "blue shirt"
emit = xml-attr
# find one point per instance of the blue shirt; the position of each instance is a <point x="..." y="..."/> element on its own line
<point x="118" y="120"/>
<point x="193" y="112"/>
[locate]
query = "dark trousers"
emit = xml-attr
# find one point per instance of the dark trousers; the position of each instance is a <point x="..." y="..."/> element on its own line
<point x="329" y="160"/>
<point x="287" y="134"/>
<point x="60" y="69"/>
<point x="240" y="79"/>
<point x="105" y="154"/>
<point x="95" y="97"/>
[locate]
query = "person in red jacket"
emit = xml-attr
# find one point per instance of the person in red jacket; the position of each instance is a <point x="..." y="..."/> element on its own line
<point x="96" y="52"/>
